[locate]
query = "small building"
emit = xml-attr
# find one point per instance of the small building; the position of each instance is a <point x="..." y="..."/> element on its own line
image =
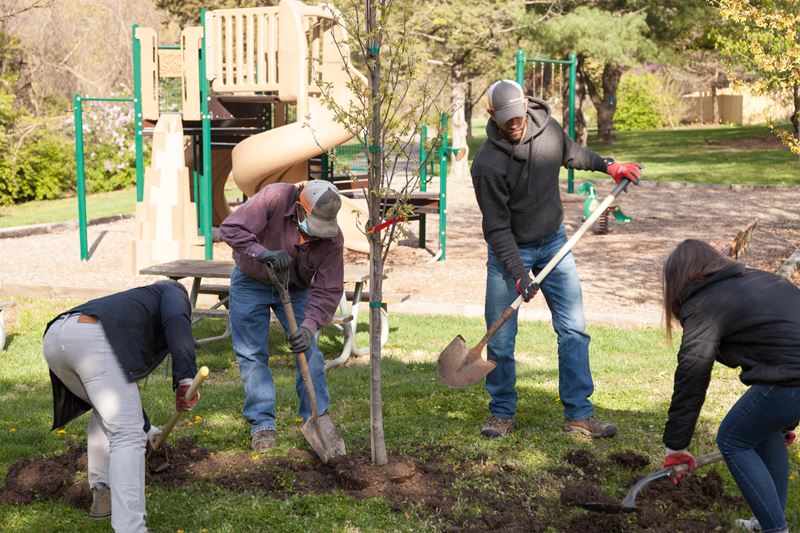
<point x="737" y="108"/>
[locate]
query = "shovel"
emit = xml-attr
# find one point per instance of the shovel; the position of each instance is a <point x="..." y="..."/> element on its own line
<point x="198" y="380"/>
<point x="319" y="431"/>
<point x="628" y="504"/>
<point x="461" y="367"/>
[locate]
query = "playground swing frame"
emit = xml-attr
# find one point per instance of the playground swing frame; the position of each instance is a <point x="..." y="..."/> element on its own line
<point x="572" y="63"/>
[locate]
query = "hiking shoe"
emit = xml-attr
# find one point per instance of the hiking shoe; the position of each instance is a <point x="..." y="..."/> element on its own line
<point x="101" y="504"/>
<point x="748" y="525"/>
<point x="591" y="427"/>
<point x="495" y="427"/>
<point x="264" y="439"/>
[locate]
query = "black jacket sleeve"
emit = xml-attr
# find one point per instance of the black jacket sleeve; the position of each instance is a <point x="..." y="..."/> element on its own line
<point x="493" y="195"/>
<point x="699" y="348"/>
<point x="577" y="157"/>
<point x="177" y="323"/>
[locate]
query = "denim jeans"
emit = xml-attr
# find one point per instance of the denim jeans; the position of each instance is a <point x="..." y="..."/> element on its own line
<point x="751" y="441"/>
<point x="562" y="292"/>
<point x="250" y="304"/>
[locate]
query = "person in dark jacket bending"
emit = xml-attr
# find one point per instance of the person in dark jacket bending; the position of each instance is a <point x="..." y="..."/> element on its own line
<point x="515" y="175"/>
<point x="743" y="318"/>
<point x="96" y="353"/>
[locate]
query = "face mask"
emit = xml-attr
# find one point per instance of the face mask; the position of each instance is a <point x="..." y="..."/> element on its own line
<point x="303" y="225"/>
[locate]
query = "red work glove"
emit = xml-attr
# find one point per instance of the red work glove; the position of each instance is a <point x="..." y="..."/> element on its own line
<point x="527" y="288"/>
<point x="789" y="437"/>
<point x="618" y="171"/>
<point x="181" y="404"/>
<point x="681" y="457"/>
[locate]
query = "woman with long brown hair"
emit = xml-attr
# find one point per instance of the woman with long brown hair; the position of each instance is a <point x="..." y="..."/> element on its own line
<point x="743" y="318"/>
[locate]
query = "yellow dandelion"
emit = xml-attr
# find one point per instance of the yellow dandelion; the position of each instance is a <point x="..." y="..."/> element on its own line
<point x="61" y="432"/>
<point x="198" y="419"/>
<point x="791" y="477"/>
<point x="13" y="430"/>
<point x="204" y="530"/>
<point x="179" y="531"/>
<point x="254" y="457"/>
<point x="298" y="419"/>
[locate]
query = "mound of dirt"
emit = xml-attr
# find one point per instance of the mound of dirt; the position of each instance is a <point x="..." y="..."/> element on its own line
<point x="486" y="497"/>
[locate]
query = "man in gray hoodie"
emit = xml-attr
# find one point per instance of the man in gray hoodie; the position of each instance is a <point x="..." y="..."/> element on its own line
<point x="515" y="174"/>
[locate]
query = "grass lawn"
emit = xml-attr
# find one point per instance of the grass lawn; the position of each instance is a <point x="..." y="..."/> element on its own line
<point x="715" y="154"/>
<point x="632" y="367"/>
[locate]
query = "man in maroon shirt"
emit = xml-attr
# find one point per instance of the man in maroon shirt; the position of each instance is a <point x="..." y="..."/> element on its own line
<point x="294" y="229"/>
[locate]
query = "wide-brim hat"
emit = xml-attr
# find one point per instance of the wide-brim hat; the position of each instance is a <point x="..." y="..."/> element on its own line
<point x="321" y="201"/>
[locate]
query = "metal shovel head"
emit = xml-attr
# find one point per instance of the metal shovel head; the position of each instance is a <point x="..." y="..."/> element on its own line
<point x="324" y="438"/>
<point x="459" y="367"/>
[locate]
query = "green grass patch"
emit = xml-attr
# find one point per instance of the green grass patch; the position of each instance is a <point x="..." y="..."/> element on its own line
<point x="66" y="209"/>
<point x="632" y="368"/>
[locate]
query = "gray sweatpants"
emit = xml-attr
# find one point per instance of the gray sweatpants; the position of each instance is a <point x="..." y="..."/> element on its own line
<point x="80" y="355"/>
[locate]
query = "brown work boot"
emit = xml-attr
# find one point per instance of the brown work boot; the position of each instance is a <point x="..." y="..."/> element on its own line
<point x="101" y="504"/>
<point x="263" y="440"/>
<point x="591" y="427"/>
<point x="495" y="427"/>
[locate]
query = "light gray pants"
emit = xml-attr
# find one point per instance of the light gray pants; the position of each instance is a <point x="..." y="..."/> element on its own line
<point x="80" y="355"/>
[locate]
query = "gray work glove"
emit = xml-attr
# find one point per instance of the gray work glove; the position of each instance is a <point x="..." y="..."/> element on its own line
<point x="279" y="259"/>
<point x="300" y="340"/>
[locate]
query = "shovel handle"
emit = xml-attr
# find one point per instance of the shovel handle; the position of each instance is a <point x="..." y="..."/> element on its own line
<point x="511" y="309"/>
<point x="302" y="363"/>
<point x="703" y="460"/>
<point x="198" y="380"/>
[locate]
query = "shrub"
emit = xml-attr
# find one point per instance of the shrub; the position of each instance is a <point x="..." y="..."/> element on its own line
<point x="638" y="106"/>
<point x="40" y="167"/>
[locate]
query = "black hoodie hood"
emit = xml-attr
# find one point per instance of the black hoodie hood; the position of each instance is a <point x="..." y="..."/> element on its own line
<point x="538" y="116"/>
<point x="736" y="269"/>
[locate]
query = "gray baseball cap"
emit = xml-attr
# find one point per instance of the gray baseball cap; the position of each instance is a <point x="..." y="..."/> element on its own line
<point x="507" y="100"/>
<point x="321" y="201"/>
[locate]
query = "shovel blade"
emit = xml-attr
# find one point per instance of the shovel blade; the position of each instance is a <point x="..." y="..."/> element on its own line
<point x="321" y="434"/>
<point x="459" y="367"/>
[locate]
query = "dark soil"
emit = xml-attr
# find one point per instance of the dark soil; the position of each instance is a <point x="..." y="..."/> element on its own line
<point x="500" y="498"/>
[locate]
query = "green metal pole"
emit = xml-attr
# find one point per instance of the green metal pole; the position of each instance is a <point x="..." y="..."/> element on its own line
<point x="573" y="70"/>
<point x="444" y="152"/>
<point x="520" y="67"/>
<point x="137" y="114"/>
<point x="77" y="107"/>
<point x="423" y="179"/>
<point x="205" y="176"/>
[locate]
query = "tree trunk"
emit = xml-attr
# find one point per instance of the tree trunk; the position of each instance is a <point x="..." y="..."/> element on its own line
<point x="458" y="122"/>
<point x="375" y="178"/>
<point x="468" y="109"/>
<point x="605" y="103"/>
<point x="714" y="101"/>
<point x="581" y="131"/>
<point x="795" y="119"/>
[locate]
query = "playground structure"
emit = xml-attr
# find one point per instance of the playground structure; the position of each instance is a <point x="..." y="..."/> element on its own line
<point x="246" y="88"/>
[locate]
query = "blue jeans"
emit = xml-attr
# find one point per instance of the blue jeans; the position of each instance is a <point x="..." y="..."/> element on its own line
<point x="562" y="292"/>
<point x="751" y="441"/>
<point x="250" y="304"/>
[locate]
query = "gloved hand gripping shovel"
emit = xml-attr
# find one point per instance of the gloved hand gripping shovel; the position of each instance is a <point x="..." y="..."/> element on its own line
<point x="460" y="367"/>
<point x="319" y="431"/>
<point x="628" y="504"/>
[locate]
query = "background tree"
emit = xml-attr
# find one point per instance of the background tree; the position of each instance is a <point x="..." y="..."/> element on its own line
<point x="761" y="44"/>
<point x="601" y="62"/>
<point x="187" y="12"/>
<point x="473" y="41"/>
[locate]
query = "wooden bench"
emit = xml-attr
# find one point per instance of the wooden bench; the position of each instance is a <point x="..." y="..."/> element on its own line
<point x="3" y="306"/>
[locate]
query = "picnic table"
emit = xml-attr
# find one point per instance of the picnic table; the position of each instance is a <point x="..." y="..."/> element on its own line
<point x="199" y="270"/>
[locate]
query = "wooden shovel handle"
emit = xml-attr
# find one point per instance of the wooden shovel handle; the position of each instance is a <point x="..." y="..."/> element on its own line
<point x="198" y="380"/>
<point x="302" y="363"/>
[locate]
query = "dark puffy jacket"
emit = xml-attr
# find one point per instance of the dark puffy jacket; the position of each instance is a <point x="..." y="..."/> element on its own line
<point x="742" y="318"/>
<point x="142" y="325"/>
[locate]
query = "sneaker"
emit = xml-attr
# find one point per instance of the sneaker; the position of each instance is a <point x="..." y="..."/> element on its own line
<point x="591" y="427"/>
<point x="101" y="504"/>
<point x="748" y="525"/>
<point x="495" y="427"/>
<point x="264" y="439"/>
